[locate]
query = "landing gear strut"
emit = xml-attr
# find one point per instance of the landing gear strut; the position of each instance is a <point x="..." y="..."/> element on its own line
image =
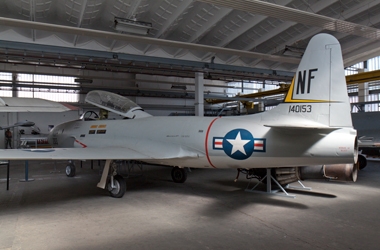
<point x="70" y="169"/>
<point x="179" y="175"/>
<point x="115" y="183"/>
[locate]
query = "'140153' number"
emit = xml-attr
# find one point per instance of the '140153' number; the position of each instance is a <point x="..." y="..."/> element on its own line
<point x="299" y="108"/>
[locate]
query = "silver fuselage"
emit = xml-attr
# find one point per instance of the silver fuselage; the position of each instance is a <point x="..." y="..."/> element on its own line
<point x="207" y="137"/>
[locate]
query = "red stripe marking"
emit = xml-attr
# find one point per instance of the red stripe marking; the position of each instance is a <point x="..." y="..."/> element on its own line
<point x="218" y="143"/>
<point x="206" y="148"/>
<point x="259" y="144"/>
<point x="83" y="145"/>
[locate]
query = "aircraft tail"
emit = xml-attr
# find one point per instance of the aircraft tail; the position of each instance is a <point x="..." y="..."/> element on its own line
<point x="317" y="97"/>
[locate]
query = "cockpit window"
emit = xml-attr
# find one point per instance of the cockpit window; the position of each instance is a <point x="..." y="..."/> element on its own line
<point x="89" y="116"/>
<point x="115" y="103"/>
<point x="111" y="101"/>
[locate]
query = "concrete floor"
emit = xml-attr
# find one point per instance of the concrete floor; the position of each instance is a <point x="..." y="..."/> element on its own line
<point x="209" y="211"/>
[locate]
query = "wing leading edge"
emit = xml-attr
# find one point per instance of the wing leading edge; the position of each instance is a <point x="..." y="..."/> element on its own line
<point x="109" y="153"/>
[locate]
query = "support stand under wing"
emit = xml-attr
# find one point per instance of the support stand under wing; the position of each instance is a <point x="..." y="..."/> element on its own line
<point x="269" y="189"/>
<point x="103" y="180"/>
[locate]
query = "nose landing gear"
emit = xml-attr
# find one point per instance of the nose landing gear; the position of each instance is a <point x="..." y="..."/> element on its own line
<point x="179" y="175"/>
<point x="117" y="186"/>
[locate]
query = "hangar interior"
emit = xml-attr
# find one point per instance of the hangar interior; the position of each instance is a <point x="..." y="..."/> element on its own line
<point x="182" y="58"/>
<point x="62" y="49"/>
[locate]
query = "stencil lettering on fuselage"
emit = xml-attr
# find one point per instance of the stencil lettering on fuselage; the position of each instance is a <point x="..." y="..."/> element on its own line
<point x="239" y="144"/>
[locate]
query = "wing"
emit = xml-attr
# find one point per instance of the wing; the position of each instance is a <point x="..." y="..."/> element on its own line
<point x="108" y="153"/>
<point x="15" y="104"/>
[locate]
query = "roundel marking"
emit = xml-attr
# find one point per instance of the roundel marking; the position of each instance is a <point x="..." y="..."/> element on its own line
<point x="238" y="144"/>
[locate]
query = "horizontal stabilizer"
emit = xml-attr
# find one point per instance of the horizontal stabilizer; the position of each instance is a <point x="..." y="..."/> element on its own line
<point x="298" y="123"/>
<point x="285" y="126"/>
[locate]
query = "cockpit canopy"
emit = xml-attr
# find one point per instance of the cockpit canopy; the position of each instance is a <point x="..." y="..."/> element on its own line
<point x="116" y="104"/>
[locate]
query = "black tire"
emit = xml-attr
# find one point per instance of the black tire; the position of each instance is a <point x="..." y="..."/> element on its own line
<point x="179" y="175"/>
<point x="70" y="170"/>
<point x="362" y="161"/>
<point x="120" y="187"/>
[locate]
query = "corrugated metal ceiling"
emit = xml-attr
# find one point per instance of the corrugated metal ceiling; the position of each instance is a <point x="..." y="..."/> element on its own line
<point x="264" y="27"/>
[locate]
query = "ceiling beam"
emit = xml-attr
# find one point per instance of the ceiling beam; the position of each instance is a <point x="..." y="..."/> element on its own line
<point x="298" y="16"/>
<point x="163" y="31"/>
<point x="80" y="20"/>
<point x="147" y="40"/>
<point x="362" y="7"/>
<point x="172" y="18"/>
<point x="281" y="28"/>
<point x="58" y="52"/>
<point x="207" y="26"/>
<point x="242" y="29"/>
<point x="32" y="10"/>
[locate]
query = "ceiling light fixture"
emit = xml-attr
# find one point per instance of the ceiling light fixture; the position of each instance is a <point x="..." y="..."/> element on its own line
<point x="131" y="26"/>
<point x="83" y="80"/>
<point x="293" y="51"/>
<point x="183" y="87"/>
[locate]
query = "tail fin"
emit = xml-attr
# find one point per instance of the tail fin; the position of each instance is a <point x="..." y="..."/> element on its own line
<point x="317" y="97"/>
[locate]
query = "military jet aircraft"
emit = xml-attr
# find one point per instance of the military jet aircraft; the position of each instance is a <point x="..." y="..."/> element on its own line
<point x="311" y="127"/>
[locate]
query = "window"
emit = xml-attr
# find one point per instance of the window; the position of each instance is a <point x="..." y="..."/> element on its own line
<point x="248" y="87"/>
<point x="5" y="84"/>
<point x="371" y="65"/>
<point x="49" y="87"/>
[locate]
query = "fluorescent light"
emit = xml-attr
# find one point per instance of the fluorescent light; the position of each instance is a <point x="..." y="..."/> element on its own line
<point x="132" y="26"/>
<point x="83" y="80"/>
<point x="179" y="87"/>
<point x="293" y="51"/>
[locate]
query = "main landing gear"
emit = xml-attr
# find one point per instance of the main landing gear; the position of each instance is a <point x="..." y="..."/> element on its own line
<point x="70" y="169"/>
<point x="114" y="182"/>
<point x="179" y="175"/>
<point x="116" y="186"/>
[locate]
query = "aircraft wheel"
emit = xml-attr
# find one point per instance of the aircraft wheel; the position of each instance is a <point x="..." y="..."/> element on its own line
<point x="362" y="161"/>
<point x="179" y="175"/>
<point x="70" y="170"/>
<point x="119" y="187"/>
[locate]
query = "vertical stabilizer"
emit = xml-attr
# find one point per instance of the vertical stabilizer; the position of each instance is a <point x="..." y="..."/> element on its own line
<point x="318" y="95"/>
